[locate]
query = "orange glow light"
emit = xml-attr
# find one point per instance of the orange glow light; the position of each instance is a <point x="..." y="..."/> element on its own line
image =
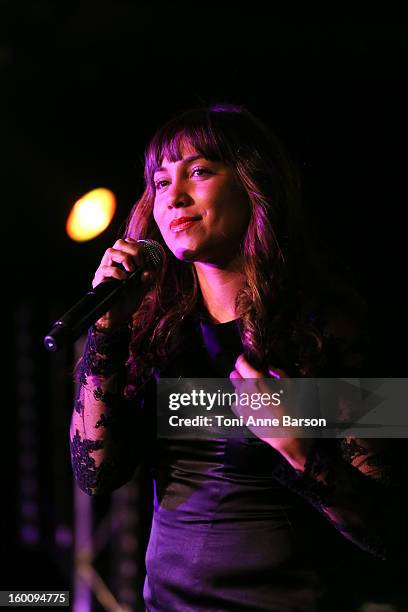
<point x="91" y="215"/>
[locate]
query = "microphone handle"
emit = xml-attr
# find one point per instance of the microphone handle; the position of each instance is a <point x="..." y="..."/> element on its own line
<point x="84" y="313"/>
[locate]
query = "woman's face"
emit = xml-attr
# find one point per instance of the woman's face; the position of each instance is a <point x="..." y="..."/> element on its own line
<point x="200" y="208"/>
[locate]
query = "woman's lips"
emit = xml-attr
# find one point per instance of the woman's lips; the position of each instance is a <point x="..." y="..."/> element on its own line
<point x="178" y="225"/>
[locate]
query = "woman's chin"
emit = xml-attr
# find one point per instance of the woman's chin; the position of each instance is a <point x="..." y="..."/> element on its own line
<point x="186" y="249"/>
<point x="184" y="253"/>
<point x="190" y="254"/>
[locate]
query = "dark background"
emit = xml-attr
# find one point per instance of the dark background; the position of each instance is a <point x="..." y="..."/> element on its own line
<point x="83" y="87"/>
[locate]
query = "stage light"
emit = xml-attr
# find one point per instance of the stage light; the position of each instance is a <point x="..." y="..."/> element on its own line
<point x="91" y="215"/>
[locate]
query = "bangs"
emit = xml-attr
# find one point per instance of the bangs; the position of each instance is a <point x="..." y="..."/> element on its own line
<point x="194" y="130"/>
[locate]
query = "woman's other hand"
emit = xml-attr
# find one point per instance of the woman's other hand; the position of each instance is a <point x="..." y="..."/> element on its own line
<point x="247" y="379"/>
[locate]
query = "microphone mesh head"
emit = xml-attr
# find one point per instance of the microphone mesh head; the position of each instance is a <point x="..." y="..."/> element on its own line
<point x="154" y="252"/>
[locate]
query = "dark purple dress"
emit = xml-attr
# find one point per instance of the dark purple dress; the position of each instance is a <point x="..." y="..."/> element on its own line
<point x="235" y="528"/>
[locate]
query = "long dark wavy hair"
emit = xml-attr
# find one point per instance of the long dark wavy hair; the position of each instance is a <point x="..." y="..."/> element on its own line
<point x="289" y="305"/>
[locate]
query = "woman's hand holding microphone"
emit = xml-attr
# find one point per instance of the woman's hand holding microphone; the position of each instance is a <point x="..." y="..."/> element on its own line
<point x="118" y="262"/>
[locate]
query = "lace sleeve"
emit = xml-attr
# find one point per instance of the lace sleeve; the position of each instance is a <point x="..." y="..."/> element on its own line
<point x="356" y="485"/>
<point x="107" y="431"/>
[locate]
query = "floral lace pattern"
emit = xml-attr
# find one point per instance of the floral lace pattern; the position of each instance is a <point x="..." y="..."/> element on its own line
<point x="85" y="471"/>
<point x="103" y="352"/>
<point x="351" y="485"/>
<point x="104" y="357"/>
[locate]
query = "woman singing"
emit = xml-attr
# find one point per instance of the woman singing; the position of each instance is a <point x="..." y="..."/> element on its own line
<point x="245" y="523"/>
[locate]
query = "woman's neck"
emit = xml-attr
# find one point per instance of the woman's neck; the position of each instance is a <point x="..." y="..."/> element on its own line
<point x="219" y="288"/>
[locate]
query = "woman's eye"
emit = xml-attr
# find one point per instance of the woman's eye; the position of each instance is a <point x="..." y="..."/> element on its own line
<point x="160" y="184"/>
<point x="200" y="171"/>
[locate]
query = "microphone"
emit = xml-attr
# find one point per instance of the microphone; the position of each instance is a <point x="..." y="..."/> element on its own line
<point x="98" y="301"/>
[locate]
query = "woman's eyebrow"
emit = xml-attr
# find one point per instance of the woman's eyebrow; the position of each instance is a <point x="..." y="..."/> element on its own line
<point x="188" y="159"/>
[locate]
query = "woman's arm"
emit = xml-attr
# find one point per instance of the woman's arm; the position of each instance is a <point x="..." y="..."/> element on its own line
<point x="356" y="485"/>
<point x="107" y="430"/>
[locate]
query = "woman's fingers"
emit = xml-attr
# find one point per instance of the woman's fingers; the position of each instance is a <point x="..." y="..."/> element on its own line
<point x="106" y="272"/>
<point x="125" y="253"/>
<point x="245" y="369"/>
<point x="277" y="373"/>
<point x="119" y="260"/>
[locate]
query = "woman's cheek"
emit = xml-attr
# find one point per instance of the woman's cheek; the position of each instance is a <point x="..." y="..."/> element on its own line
<point x="159" y="221"/>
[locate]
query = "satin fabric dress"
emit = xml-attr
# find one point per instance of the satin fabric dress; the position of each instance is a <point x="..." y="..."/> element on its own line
<point x="226" y="535"/>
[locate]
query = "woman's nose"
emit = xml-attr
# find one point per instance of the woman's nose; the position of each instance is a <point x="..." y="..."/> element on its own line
<point x="177" y="198"/>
